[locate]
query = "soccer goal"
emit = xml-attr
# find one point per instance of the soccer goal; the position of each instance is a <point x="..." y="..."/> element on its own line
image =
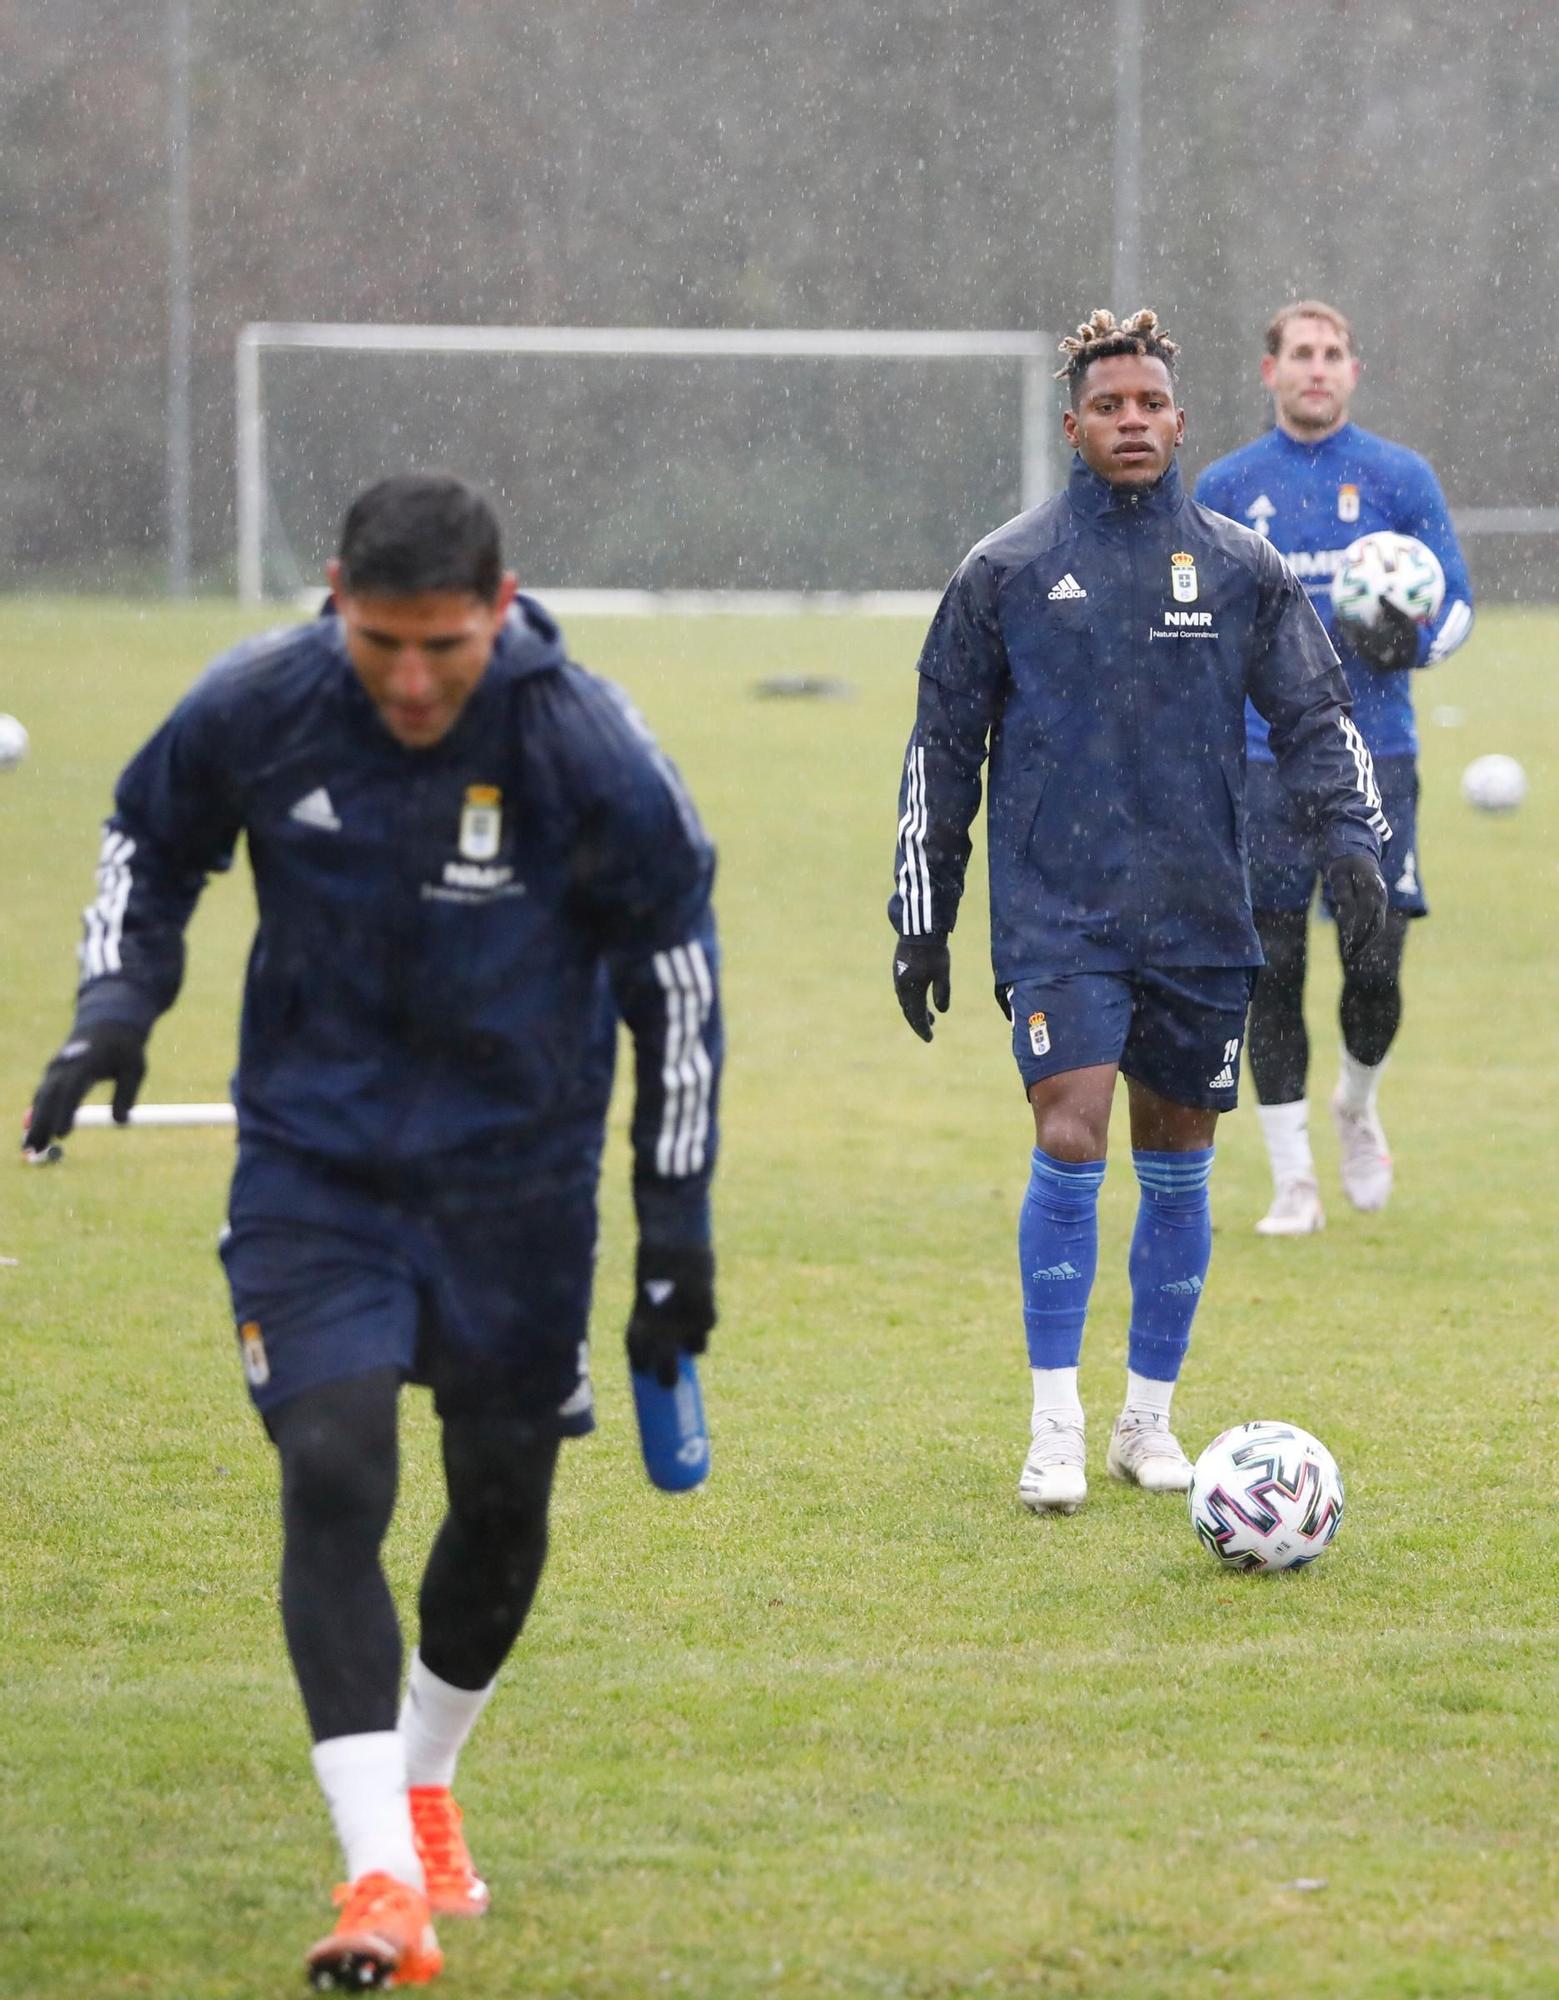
<point x="653" y="467"/>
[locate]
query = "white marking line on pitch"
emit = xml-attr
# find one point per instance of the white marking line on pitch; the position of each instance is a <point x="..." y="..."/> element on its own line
<point x="159" y="1114"/>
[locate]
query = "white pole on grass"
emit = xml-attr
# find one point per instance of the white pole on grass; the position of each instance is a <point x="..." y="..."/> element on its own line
<point x="159" y="1114"/>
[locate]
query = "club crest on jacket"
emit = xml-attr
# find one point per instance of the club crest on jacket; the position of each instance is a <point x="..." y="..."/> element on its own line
<point x="481" y="822"/>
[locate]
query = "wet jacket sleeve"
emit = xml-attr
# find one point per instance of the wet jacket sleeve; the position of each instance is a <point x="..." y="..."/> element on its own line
<point x="646" y="871"/>
<point x="963" y="676"/>
<point x="172" y="826"/>
<point x="1429" y="518"/>
<point x="1296" y="682"/>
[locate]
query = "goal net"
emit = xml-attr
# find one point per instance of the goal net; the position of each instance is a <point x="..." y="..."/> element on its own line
<point x="653" y="463"/>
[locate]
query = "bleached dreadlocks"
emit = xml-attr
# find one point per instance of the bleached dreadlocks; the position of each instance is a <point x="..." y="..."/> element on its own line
<point x="1100" y="336"/>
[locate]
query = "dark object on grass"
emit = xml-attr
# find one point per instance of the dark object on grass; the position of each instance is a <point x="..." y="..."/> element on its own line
<point x="819" y="686"/>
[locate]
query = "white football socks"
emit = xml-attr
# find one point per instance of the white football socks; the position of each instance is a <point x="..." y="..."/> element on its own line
<point x="1357" y="1084"/>
<point x="1286" y="1129"/>
<point x="435" y="1721"/>
<point x="364" y="1782"/>
<point x="1146" y="1392"/>
<point x="1055" y="1396"/>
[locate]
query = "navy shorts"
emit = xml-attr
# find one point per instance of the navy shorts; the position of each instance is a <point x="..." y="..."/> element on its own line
<point x="482" y="1293"/>
<point x="1284" y="865"/>
<point x="1178" y="1029"/>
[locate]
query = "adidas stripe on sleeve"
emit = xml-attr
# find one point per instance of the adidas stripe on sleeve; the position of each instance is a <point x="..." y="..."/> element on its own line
<point x="1364" y="769"/>
<point x="687" y="1070"/>
<point x="914" y="876"/>
<point x="104" y="917"/>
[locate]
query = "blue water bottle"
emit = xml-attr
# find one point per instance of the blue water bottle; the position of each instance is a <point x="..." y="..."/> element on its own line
<point x="672" y="1433"/>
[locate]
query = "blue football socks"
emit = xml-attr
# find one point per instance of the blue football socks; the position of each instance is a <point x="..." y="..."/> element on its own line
<point x="1170" y="1251"/>
<point x="1058" y="1252"/>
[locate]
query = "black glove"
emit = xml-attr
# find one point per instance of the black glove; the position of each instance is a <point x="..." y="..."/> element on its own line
<point x="1388" y="645"/>
<point x="106" y="1051"/>
<point x="921" y="964"/>
<point x="1358" y="896"/>
<point x="673" y="1310"/>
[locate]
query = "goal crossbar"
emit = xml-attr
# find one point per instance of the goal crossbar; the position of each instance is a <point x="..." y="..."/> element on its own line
<point x="1033" y="351"/>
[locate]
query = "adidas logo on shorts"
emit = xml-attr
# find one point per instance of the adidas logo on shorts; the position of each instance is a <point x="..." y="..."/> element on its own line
<point x="1224" y="1080"/>
<point x="1067" y="587"/>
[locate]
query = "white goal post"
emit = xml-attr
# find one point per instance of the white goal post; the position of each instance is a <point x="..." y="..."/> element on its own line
<point x="1033" y="353"/>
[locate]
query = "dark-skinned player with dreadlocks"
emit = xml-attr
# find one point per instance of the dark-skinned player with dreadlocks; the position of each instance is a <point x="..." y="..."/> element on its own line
<point x="1099" y="650"/>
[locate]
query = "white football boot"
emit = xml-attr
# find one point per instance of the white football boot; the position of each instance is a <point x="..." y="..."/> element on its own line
<point x="1053" y="1480"/>
<point x="1366" y="1158"/>
<point x="1145" y="1452"/>
<point x="1295" y="1211"/>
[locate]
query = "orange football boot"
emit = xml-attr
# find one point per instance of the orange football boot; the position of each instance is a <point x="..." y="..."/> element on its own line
<point x="383" y="1938"/>
<point x="454" y="1887"/>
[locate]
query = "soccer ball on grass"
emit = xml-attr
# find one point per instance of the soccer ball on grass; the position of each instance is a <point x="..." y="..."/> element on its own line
<point x="1388" y="568"/>
<point x="1266" y="1496"/>
<point x="13" y="742"/>
<point x="1494" y="783"/>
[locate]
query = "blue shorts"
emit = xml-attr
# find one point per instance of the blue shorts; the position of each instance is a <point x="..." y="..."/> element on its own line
<point x="481" y="1292"/>
<point x="1284" y="864"/>
<point x="1178" y="1029"/>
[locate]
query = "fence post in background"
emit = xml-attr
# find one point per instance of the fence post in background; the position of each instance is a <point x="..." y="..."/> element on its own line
<point x="179" y="308"/>
<point x="1037" y="421"/>
<point x="1126" y="278"/>
<point x="251" y="465"/>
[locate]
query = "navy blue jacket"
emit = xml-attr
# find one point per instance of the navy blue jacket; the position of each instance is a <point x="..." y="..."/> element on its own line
<point x="447" y="936"/>
<point x="1103" y="646"/>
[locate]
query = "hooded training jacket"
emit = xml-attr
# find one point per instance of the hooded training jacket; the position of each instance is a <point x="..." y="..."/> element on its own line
<point x="447" y="935"/>
<point x="1101" y="647"/>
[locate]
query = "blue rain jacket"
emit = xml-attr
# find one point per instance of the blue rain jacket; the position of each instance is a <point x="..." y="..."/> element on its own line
<point x="448" y="936"/>
<point x="1100" y="650"/>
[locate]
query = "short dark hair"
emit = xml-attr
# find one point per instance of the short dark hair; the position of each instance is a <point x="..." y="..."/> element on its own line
<point x="1307" y="309"/>
<point x="1100" y="336"/>
<point x="420" y="531"/>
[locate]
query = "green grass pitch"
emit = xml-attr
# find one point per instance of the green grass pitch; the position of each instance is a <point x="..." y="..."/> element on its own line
<point x="848" y="1722"/>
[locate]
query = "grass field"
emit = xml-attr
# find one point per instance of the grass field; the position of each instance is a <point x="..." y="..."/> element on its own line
<point x="849" y="1722"/>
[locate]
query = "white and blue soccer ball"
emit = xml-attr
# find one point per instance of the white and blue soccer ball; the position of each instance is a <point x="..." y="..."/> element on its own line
<point x="1388" y="568"/>
<point x="13" y="742"/>
<point x="1266" y="1496"/>
<point x="1494" y="784"/>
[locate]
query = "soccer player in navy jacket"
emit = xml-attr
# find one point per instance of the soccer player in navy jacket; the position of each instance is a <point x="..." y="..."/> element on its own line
<point x="1314" y="483"/>
<point x="1100" y="650"/>
<point x="470" y="860"/>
